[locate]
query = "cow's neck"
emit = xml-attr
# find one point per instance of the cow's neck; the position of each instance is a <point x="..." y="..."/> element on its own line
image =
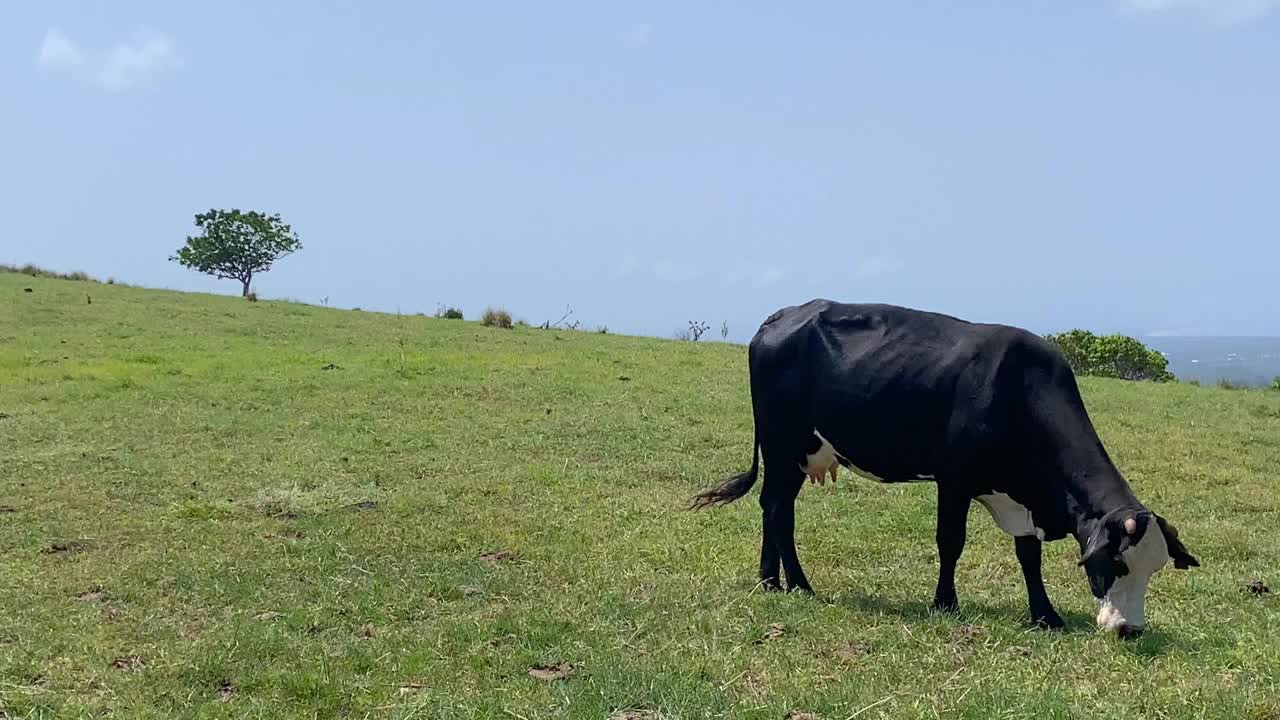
<point x="1095" y="489"/>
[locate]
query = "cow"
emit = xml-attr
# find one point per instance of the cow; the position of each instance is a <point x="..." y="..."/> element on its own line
<point x="986" y="412"/>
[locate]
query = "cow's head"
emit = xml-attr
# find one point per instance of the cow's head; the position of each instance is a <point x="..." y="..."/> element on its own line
<point x="1121" y="554"/>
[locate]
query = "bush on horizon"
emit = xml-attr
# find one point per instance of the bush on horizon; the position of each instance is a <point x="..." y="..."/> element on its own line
<point x="1112" y="356"/>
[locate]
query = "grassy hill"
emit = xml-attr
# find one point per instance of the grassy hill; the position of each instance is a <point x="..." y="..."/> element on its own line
<point x="215" y="508"/>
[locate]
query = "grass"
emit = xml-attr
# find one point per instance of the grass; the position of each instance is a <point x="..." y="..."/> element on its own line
<point x="217" y="509"/>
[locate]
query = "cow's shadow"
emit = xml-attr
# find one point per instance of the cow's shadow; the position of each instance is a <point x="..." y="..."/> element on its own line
<point x="1152" y="642"/>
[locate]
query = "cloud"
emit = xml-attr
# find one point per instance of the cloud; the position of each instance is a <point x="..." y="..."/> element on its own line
<point x="638" y="36"/>
<point x="123" y="66"/>
<point x="876" y="267"/>
<point x="58" y="50"/>
<point x="1226" y="12"/>
<point x="129" y="63"/>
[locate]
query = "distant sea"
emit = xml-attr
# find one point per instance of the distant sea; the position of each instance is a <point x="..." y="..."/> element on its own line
<point x="1241" y="360"/>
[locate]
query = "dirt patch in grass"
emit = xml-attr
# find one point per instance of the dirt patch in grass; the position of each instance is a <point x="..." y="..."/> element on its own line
<point x="967" y="633"/>
<point x="68" y="547"/>
<point x="94" y="594"/>
<point x="775" y="632"/>
<point x="226" y="690"/>
<point x="495" y="557"/>
<point x="554" y="671"/>
<point x="129" y="663"/>
<point x="852" y="652"/>
<point x="1257" y="587"/>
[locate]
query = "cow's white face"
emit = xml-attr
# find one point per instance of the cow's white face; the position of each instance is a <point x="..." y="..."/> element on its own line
<point x="1120" y="562"/>
<point x="1121" y="608"/>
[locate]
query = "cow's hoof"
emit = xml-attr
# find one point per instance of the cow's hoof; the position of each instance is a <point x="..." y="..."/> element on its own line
<point x="950" y="606"/>
<point x="805" y="589"/>
<point x="771" y="585"/>
<point x="1047" y="621"/>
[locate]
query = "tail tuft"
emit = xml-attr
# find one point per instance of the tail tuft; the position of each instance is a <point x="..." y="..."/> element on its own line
<point x="731" y="489"/>
<point x="726" y="492"/>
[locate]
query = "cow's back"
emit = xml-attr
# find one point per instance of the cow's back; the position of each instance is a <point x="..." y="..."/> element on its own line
<point x="894" y="389"/>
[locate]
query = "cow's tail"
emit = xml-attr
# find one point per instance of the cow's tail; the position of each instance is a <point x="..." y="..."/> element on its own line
<point x="731" y="489"/>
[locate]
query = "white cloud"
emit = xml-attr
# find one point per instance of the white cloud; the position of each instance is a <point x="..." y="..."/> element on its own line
<point x="638" y="36"/>
<point x="58" y="50"/>
<point x="1226" y="12"/>
<point x="876" y="267"/>
<point x="123" y="66"/>
<point x="129" y="63"/>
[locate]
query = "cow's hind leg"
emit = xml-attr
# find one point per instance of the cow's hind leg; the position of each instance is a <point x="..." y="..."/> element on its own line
<point x="778" y="502"/>
<point x="1042" y="613"/>
<point x="953" y="516"/>
<point x="769" y="560"/>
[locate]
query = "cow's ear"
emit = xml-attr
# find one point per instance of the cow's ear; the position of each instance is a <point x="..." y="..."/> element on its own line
<point x="1177" y="551"/>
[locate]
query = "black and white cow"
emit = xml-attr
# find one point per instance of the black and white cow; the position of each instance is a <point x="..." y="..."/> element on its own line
<point x="987" y="412"/>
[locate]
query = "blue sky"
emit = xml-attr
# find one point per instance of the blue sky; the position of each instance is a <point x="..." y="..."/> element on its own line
<point x="1109" y="164"/>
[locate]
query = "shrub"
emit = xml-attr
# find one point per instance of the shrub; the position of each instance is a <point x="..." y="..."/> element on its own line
<point x="37" y="271"/>
<point x="695" y="331"/>
<point x="448" y="313"/>
<point x="1275" y="383"/>
<point x="1114" y="356"/>
<point x="496" y="318"/>
<point x="602" y="329"/>
<point x="251" y="296"/>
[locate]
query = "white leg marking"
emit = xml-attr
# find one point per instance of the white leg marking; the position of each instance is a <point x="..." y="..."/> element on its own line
<point x="1125" y="602"/>
<point x="1011" y="516"/>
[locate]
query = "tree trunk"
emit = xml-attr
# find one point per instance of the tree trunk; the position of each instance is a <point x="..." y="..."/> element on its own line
<point x="246" y="281"/>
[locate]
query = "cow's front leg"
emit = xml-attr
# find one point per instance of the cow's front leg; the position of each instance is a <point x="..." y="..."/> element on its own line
<point x="953" y="514"/>
<point x="1042" y="613"/>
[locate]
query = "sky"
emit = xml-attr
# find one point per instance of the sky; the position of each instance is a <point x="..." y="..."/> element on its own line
<point x="1106" y="164"/>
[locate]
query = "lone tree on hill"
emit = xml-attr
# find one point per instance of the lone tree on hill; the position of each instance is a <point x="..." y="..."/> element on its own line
<point x="237" y="245"/>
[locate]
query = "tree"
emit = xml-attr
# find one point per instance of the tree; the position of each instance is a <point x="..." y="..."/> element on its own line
<point x="1115" y="356"/>
<point x="237" y="245"/>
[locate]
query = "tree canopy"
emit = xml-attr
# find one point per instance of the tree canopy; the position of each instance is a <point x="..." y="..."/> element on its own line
<point x="236" y="245"/>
